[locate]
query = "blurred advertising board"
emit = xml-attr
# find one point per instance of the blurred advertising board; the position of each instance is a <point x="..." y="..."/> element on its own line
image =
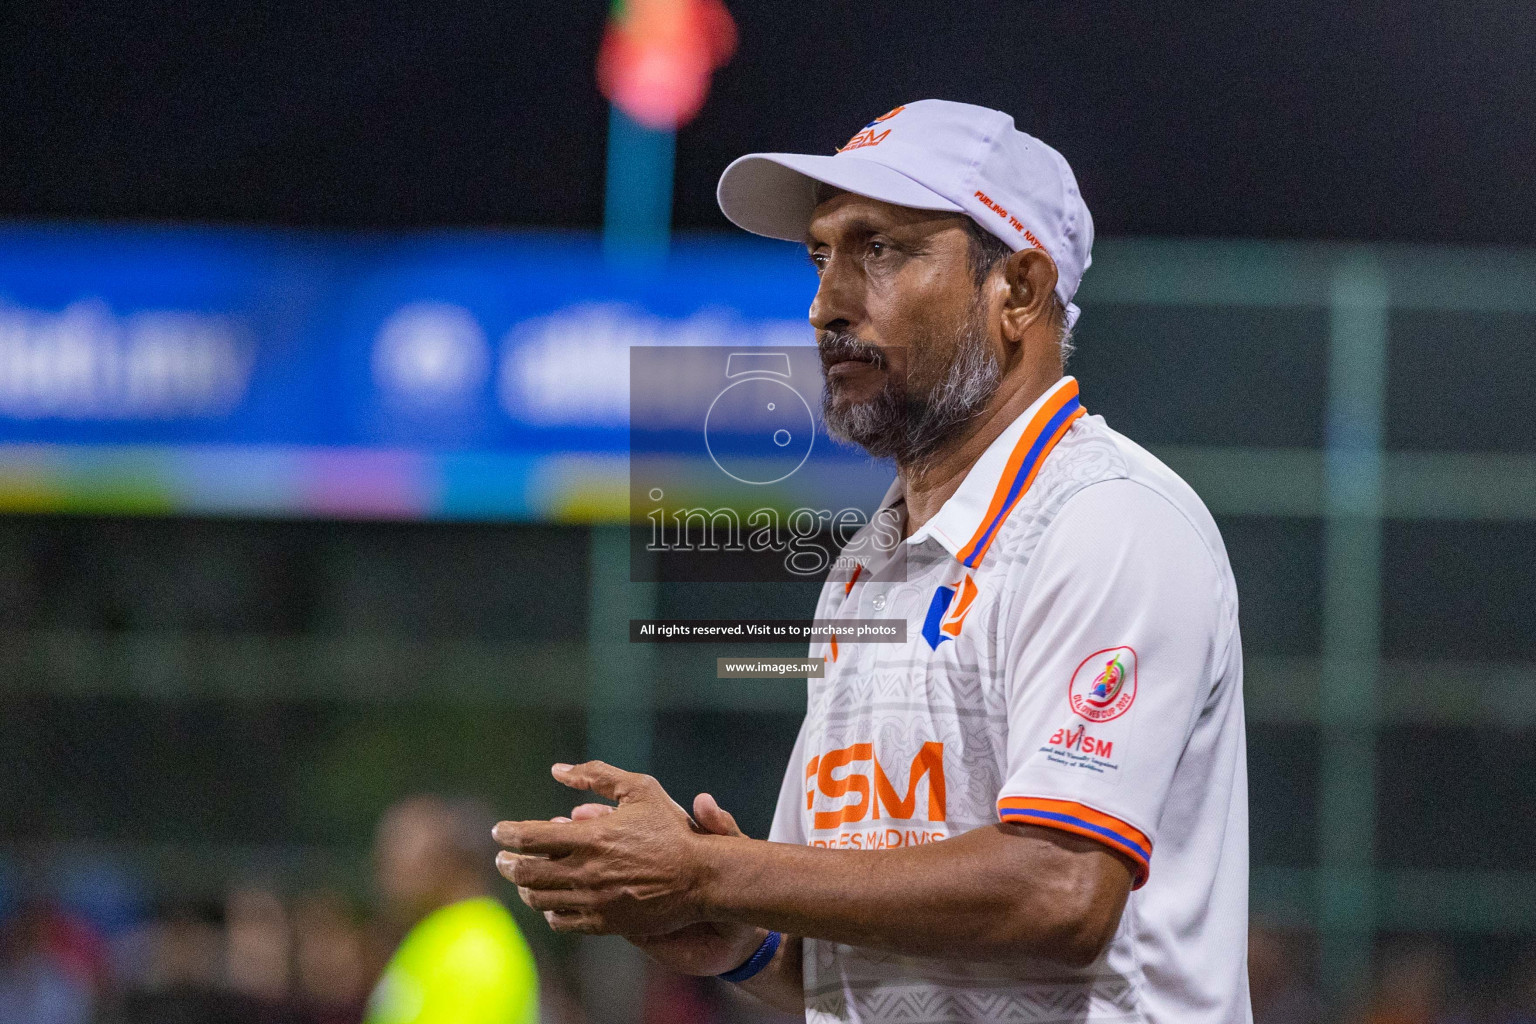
<point x="444" y="375"/>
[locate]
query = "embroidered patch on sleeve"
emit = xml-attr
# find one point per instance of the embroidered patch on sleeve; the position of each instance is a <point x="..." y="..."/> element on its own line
<point x="1104" y="686"/>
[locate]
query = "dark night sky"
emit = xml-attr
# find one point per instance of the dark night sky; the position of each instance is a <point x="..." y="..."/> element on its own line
<point x="1408" y="121"/>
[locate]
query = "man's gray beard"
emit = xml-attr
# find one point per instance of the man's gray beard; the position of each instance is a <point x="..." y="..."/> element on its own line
<point x="914" y="429"/>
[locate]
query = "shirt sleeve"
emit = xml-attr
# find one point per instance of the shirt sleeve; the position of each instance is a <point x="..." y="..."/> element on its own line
<point x="1109" y="638"/>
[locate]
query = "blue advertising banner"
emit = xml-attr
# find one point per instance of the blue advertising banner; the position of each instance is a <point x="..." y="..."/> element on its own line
<point x="436" y="375"/>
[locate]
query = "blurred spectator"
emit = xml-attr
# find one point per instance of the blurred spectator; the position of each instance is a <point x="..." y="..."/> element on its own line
<point x="1521" y="991"/>
<point x="332" y="959"/>
<point x="1412" y="986"/>
<point x="257" y="945"/>
<point x="78" y="948"/>
<point x="1279" y="993"/>
<point x="185" y="950"/>
<point x="185" y="981"/>
<point x="37" y="986"/>
<point x="464" y="961"/>
<point x="672" y="998"/>
<point x="558" y="999"/>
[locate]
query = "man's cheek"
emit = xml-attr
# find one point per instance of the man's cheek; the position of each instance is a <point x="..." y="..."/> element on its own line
<point x="890" y="333"/>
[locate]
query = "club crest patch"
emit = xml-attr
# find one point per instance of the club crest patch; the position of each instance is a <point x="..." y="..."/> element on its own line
<point x="1104" y="685"/>
<point x="947" y="611"/>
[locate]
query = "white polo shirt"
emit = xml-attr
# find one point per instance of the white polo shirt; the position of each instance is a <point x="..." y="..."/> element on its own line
<point x="1072" y="662"/>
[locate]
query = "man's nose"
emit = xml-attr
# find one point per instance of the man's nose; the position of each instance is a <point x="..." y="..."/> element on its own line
<point x="837" y="305"/>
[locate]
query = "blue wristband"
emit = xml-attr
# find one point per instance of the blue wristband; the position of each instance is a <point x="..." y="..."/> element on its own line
<point x="756" y="962"/>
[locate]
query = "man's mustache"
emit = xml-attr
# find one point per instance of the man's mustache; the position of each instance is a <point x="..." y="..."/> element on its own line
<point x="837" y="346"/>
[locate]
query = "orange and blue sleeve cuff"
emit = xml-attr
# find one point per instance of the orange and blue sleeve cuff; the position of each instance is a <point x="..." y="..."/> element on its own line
<point x="1069" y="816"/>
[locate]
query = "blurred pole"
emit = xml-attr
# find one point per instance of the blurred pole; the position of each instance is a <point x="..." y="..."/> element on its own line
<point x="621" y="723"/>
<point x="637" y="204"/>
<point x="621" y="711"/>
<point x="1351" y="626"/>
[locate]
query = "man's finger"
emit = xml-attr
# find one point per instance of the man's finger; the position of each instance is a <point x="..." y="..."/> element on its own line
<point x="549" y="838"/>
<point x="714" y="818"/>
<point x="606" y="781"/>
<point x="586" y="812"/>
<point x="562" y="901"/>
<point x="537" y="872"/>
<point x="580" y="923"/>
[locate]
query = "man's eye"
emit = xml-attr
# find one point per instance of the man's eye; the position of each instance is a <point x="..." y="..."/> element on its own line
<point x="878" y="248"/>
<point x="818" y="260"/>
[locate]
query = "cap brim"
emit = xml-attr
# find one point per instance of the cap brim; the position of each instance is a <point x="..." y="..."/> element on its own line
<point x="773" y="194"/>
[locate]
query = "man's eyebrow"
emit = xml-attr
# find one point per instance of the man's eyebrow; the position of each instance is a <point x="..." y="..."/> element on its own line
<point x="859" y="224"/>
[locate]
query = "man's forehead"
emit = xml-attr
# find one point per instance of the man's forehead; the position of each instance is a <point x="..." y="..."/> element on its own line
<point x="838" y="211"/>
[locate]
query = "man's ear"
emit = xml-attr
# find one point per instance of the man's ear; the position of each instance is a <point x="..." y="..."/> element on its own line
<point x="1030" y="275"/>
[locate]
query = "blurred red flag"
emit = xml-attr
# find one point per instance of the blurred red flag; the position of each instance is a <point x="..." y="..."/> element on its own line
<point x="657" y="56"/>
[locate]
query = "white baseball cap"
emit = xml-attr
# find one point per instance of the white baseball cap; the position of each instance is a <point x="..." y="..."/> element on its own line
<point x="929" y="155"/>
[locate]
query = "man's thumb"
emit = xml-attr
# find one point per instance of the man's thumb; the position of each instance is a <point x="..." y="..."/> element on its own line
<point x="714" y="818"/>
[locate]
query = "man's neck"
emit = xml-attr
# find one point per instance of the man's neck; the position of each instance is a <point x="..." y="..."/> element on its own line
<point x="929" y="487"/>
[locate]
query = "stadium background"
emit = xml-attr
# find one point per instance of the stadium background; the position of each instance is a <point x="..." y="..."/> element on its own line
<point x="232" y="637"/>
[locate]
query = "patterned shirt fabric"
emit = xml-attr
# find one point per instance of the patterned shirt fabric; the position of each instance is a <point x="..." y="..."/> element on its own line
<point x="1073" y="662"/>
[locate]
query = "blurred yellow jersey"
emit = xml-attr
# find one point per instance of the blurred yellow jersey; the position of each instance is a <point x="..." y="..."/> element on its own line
<point x="464" y="964"/>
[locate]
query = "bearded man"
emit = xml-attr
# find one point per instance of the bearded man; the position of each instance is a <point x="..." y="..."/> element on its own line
<point x="966" y="830"/>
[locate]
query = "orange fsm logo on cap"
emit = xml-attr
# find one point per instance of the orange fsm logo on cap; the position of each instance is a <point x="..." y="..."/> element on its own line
<point x="867" y="136"/>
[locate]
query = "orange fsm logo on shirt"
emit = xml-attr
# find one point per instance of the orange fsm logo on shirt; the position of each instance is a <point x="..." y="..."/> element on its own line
<point x="871" y="794"/>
